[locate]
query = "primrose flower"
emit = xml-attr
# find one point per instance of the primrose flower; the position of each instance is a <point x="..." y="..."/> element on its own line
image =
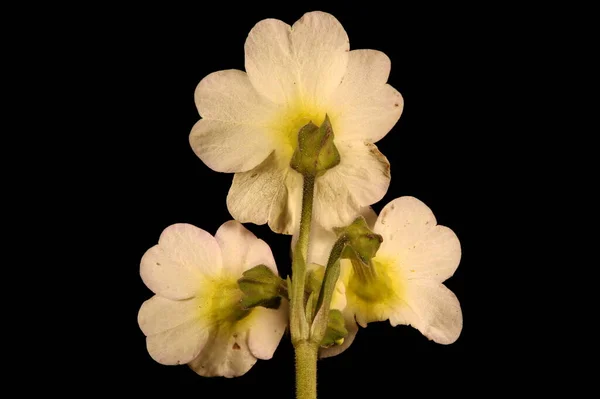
<point x="296" y="75"/>
<point x="195" y="318"/>
<point x="404" y="284"/>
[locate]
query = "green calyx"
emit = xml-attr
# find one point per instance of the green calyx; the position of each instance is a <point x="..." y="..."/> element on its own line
<point x="316" y="153"/>
<point x="361" y="247"/>
<point x="261" y="287"/>
<point x="336" y="330"/>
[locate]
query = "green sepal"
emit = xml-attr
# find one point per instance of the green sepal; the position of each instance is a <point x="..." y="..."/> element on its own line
<point x="311" y="303"/>
<point x="261" y="287"/>
<point x="362" y="243"/>
<point x="314" y="278"/>
<point x="316" y="152"/>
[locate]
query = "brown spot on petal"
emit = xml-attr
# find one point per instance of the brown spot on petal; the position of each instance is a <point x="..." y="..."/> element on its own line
<point x="396" y="105"/>
<point x="254" y="175"/>
<point x="157" y="264"/>
<point x="235" y="335"/>
<point x="383" y="216"/>
<point x="236" y="346"/>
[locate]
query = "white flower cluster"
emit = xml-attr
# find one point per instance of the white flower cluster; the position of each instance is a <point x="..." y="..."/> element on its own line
<point x="250" y="122"/>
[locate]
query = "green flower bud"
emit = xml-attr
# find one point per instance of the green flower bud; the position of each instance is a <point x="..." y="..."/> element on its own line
<point x="336" y="329"/>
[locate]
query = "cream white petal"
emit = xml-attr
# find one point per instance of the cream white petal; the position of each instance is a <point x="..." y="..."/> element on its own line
<point x="320" y="244"/>
<point x="368" y="117"/>
<point x="180" y="344"/>
<point x="159" y="314"/>
<point x="225" y="354"/>
<point x="362" y="178"/>
<point x="232" y="136"/>
<point x="422" y="249"/>
<point x="266" y="329"/>
<point x="230" y="147"/>
<point x="268" y="193"/>
<point x="284" y="215"/>
<point x="306" y="61"/>
<point x="175" y="332"/>
<point x="367" y="73"/>
<point x="241" y="250"/>
<point x="352" y="328"/>
<point x="364" y="107"/>
<point x="269" y="56"/>
<point x="260" y="253"/>
<point x="229" y="96"/>
<point x="176" y="266"/>
<point x="432" y="308"/>
<point x="251" y="194"/>
<point x="234" y="240"/>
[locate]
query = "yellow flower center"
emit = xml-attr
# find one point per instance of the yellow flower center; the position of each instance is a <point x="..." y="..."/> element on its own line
<point x="220" y="301"/>
<point x="287" y="124"/>
<point x="375" y="297"/>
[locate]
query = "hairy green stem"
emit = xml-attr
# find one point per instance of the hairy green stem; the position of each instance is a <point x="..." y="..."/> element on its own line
<point x="306" y="215"/>
<point x="306" y="351"/>
<point x="298" y="325"/>
<point x="306" y="370"/>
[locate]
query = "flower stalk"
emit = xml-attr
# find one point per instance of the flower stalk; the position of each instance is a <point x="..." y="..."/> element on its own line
<point x="306" y="351"/>
<point x="316" y="153"/>
<point x="298" y="325"/>
<point x="306" y="370"/>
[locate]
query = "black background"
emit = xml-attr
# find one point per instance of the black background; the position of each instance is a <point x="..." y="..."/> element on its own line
<point x="158" y="56"/>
